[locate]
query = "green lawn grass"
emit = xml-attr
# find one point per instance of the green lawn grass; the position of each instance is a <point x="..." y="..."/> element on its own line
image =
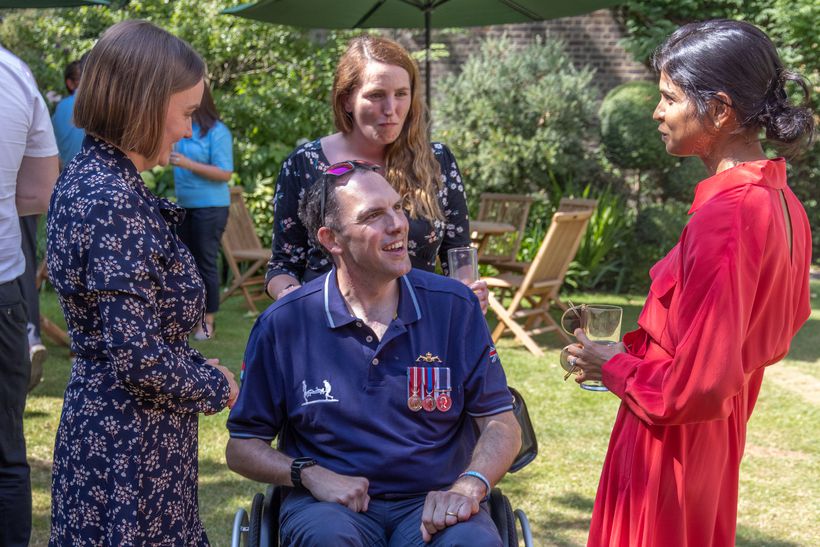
<point x="780" y="477"/>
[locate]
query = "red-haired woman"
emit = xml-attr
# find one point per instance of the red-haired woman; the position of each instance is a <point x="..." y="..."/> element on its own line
<point x="379" y="113"/>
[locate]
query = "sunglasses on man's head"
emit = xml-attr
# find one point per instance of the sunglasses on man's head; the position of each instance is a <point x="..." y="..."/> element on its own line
<point x="345" y="167"/>
<point x="338" y="170"/>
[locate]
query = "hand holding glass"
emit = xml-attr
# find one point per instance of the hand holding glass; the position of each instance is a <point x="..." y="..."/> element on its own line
<point x="463" y="263"/>
<point x="601" y="323"/>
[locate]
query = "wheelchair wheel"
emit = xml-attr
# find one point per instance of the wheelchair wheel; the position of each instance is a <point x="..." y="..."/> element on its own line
<point x="525" y="527"/>
<point x="255" y="525"/>
<point x="502" y="515"/>
<point x="240" y="528"/>
<point x="269" y="531"/>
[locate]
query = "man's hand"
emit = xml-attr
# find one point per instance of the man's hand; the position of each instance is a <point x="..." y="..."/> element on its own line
<point x="325" y="485"/>
<point x="446" y="508"/>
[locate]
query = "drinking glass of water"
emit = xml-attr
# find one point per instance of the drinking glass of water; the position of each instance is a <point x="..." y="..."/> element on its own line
<point x="463" y="263"/>
<point x="602" y="325"/>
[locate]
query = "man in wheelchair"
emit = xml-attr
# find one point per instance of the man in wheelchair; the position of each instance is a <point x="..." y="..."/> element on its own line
<point x="373" y="377"/>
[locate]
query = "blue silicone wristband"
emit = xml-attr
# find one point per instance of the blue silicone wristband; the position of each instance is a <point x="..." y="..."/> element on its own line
<point x="482" y="478"/>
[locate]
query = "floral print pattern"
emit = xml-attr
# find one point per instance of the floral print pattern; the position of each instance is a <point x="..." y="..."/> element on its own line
<point x="293" y="253"/>
<point x="125" y="457"/>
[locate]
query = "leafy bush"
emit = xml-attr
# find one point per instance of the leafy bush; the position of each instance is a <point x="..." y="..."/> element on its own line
<point x="599" y="262"/>
<point x="518" y="118"/>
<point x="657" y="229"/>
<point x="629" y="135"/>
<point x="678" y="181"/>
<point x="804" y="179"/>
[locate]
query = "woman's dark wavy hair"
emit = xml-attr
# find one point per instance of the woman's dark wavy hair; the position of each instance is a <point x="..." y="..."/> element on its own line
<point x="737" y="58"/>
<point x="206" y="115"/>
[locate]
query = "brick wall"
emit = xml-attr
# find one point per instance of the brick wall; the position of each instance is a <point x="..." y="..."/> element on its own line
<point x="591" y="39"/>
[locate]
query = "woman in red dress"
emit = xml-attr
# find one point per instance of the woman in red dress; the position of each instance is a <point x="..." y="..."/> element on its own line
<point x="724" y="303"/>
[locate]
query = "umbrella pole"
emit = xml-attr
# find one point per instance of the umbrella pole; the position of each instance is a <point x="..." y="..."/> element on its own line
<point x="427" y="59"/>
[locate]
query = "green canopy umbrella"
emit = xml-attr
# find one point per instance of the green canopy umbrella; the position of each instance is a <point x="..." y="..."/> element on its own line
<point x="425" y="14"/>
<point x="50" y="3"/>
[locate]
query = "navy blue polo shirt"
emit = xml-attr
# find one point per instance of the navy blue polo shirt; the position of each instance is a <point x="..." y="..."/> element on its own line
<point x="319" y="378"/>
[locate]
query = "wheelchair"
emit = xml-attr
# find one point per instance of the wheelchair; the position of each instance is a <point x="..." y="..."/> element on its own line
<point x="260" y="527"/>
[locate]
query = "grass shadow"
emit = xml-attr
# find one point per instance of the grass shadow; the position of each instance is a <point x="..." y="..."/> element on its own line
<point x="750" y="537"/>
<point x="804" y="346"/>
<point x="573" y="500"/>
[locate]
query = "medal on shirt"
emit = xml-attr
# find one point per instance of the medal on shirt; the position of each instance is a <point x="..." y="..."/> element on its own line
<point x="443" y="400"/>
<point x="414" y="388"/>
<point x="429" y="402"/>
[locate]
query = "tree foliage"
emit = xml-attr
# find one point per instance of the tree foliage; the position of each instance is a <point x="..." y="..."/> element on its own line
<point x="628" y="133"/>
<point x="517" y="119"/>
<point x="271" y="83"/>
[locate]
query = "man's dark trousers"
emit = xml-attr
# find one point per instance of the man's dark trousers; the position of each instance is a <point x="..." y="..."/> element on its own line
<point x="28" y="282"/>
<point x="15" y="485"/>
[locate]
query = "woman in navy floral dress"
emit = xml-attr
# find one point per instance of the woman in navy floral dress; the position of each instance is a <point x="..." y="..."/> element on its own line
<point x="125" y="458"/>
<point x="380" y="116"/>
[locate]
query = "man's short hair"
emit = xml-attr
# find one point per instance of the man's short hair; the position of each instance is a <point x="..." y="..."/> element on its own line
<point x="310" y="207"/>
<point x="127" y="83"/>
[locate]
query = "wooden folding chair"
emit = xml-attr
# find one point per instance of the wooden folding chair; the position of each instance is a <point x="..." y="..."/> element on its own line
<point x="577" y="204"/>
<point x="511" y="209"/>
<point x="243" y="252"/>
<point x="540" y="285"/>
<point x="565" y="205"/>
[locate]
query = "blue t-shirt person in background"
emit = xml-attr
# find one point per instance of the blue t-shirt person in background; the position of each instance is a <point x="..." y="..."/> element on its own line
<point x="214" y="148"/>
<point x="69" y="137"/>
<point x="203" y="165"/>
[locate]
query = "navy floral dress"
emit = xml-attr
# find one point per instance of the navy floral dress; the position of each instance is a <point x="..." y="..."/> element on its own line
<point x="293" y="253"/>
<point x="125" y="458"/>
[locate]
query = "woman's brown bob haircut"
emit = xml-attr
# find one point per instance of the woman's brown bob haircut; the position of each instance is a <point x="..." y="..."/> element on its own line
<point x="128" y="79"/>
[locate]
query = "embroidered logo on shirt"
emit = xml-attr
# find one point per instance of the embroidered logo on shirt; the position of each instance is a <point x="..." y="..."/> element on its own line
<point x="318" y="394"/>
<point x="493" y="354"/>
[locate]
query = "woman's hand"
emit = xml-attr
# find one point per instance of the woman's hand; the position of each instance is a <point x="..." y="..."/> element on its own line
<point x="590" y="357"/>
<point x="482" y="292"/>
<point x="234" y="391"/>
<point x="180" y="160"/>
<point x="287" y="290"/>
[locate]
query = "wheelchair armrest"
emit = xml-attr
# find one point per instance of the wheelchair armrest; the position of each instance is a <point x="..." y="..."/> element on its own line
<point x="529" y="444"/>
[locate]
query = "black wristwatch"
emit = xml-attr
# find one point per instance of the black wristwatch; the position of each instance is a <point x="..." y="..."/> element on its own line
<point x="296" y="470"/>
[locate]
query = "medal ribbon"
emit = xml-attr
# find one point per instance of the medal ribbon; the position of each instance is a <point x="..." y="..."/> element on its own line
<point x="413" y="381"/>
<point x="445" y="372"/>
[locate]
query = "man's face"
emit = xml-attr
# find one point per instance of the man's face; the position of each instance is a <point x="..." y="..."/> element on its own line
<point x="371" y="242"/>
